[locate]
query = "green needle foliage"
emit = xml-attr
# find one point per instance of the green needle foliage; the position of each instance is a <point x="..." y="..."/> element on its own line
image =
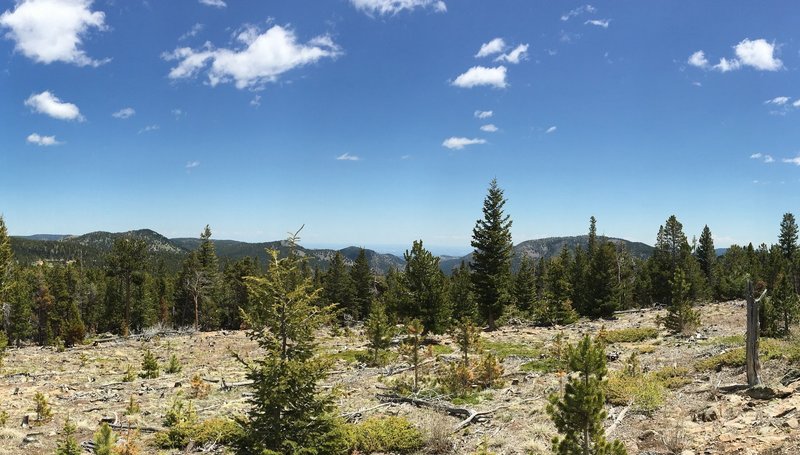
<point x="379" y="332"/>
<point x="578" y="414"/>
<point x="104" y="440"/>
<point x="68" y="444"/>
<point x="149" y="365"/>
<point x="288" y="414"/>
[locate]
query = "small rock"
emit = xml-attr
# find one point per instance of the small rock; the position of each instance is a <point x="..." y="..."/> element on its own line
<point x="648" y="436"/>
<point x="709" y="414"/>
<point x="726" y="437"/>
<point x="687" y="452"/>
<point x="792" y="423"/>
<point x="768" y="393"/>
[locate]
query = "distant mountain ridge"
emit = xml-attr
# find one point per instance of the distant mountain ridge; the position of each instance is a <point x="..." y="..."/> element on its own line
<point x="92" y="248"/>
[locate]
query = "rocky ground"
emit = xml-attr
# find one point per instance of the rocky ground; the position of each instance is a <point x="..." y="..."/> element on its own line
<point x="699" y="414"/>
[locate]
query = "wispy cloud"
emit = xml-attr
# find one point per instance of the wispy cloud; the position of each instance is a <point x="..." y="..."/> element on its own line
<point x="49" y="104"/>
<point x="778" y="100"/>
<point x="458" y="143"/>
<point x="762" y="157"/>
<point x="194" y="31"/>
<point x="263" y="57"/>
<point x="214" y="3"/>
<point x="39" y="140"/>
<point x="177" y="113"/>
<point x="494" y="46"/>
<point x="480" y="75"/>
<point x="192" y="164"/>
<point x="516" y="55"/>
<point x="483" y="114"/>
<point x="48" y="31"/>
<point x="392" y="7"/>
<point x="347" y="157"/>
<point x="795" y="160"/>
<point x="552" y="129"/>
<point x="256" y="101"/>
<point x="758" y="54"/>
<point x="598" y="22"/>
<point x="124" y="113"/>
<point x="149" y="128"/>
<point x="490" y="128"/>
<point x="577" y="12"/>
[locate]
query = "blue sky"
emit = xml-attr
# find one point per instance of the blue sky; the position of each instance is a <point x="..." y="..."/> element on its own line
<point x="377" y="122"/>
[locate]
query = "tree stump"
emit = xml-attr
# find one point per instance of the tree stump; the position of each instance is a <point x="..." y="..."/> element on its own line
<point x="753" y="327"/>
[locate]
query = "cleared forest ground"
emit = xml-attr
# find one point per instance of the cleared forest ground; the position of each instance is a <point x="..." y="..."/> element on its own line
<point x="698" y="414"/>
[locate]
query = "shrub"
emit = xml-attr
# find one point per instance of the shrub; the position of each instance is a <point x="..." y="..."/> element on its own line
<point x="489" y="372"/>
<point x="673" y="377"/>
<point x="385" y="434"/>
<point x="129" y="375"/>
<point x="68" y="444"/>
<point x="199" y="387"/>
<point x="3" y="346"/>
<point x="149" y="365"/>
<point x="104" y="440"/>
<point x="174" y="365"/>
<point x="43" y="411"/>
<point x="645" y="392"/>
<point x="133" y="407"/>
<point x="3" y="418"/>
<point x="215" y="430"/>
<point x="631" y="335"/>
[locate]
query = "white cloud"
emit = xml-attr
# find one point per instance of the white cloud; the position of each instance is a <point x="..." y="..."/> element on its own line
<point x="49" y="104"/>
<point x="769" y="159"/>
<point x="49" y="31"/>
<point x="192" y="164"/>
<point x="256" y="101"/>
<point x="795" y="160"/>
<point x="598" y="22"/>
<point x="578" y="11"/>
<point x="759" y="54"/>
<point x="494" y="46"/>
<point x="697" y="84"/>
<point x="698" y="59"/>
<point x="42" y="140"/>
<point x="480" y="75"/>
<point x="347" y="157"/>
<point x="552" y="129"/>
<point x="124" y="113"/>
<point x="149" y="128"/>
<point x="214" y="3"/>
<point x="391" y="7"/>
<point x="483" y="114"/>
<point x="177" y="113"/>
<point x="264" y="58"/>
<point x="194" y="31"/>
<point x="756" y="156"/>
<point x="762" y="157"/>
<point x="515" y="56"/>
<point x="490" y="128"/>
<point x="458" y="143"/>
<point x="778" y="100"/>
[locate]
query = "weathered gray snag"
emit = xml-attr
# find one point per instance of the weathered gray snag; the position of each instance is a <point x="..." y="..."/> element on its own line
<point x="753" y="327"/>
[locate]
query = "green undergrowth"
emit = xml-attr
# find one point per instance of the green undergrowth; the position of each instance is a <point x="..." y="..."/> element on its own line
<point x="503" y="349"/>
<point x="769" y="349"/>
<point x="630" y="335"/>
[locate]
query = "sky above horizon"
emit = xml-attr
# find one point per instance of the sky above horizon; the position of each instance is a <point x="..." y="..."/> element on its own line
<point x="377" y="122"/>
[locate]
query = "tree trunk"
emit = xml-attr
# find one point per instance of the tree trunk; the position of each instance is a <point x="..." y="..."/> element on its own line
<point x="753" y="364"/>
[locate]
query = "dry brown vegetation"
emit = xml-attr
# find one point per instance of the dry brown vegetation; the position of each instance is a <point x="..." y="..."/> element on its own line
<point x="697" y="413"/>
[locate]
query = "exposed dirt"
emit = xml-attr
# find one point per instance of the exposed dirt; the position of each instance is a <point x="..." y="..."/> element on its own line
<point x="85" y="383"/>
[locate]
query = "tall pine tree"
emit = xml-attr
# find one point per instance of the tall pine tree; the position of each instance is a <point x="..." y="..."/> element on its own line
<point x="426" y="286"/>
<point x="126" y="263"/>
<point x="363" y="285"/>
<point x="706" y="256"/>
<point x="491" y="260"/>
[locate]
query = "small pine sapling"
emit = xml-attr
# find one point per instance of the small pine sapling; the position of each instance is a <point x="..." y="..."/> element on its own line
<point x="174" y="365"/>
<point x="68" y="445"/>
<point x="411" y="347"/>
<point x="133" y="407"/>
<point x="379" y="332"/>
<point x="129" y="375"/>
<point x="104" y="440"/>
<point x="43" y="411"/>
<point x="150" y="368"/>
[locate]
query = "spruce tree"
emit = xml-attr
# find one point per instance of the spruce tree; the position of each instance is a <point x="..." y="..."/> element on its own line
<point x="556" y="307"/>
<point x="68" y="445"/>
<point x="462" y="293"/>
<point x="706" y="255"/>
<point x="379" y="332"/>
<point x="426" y="287"/>
<point x="601" y="281"/>
<point x="126" y="263"/>
<point x="681" y="316"/>
<point x="491" y="259"/>
<point x="288" y="414"/>
<point x="579" y="414"/>
<point x="210" y="282"/>
<point x="787" y="239"/>
<point x="338" y="287"/>
<point x="363" y="284"/>
<point x="525" y="285"/>
<point x="6" y="269"/>
<point x="672" y="251"/>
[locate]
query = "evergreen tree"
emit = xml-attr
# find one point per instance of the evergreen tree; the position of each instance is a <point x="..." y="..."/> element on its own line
<point x="578" y="274"/>
<point x="363" y="284"/>
<point x="525" y="285"/>
<point x="44" y="311"/>
<point x="6" y="272"/>
<point x="491" y="260"/>
<point x="681" y="316"/>
<point x="579" y="414"/>
<point x="556" y="305"/>
<point x="625" y="278"/>
<point x="104" y="440"/>
<point x="20" y="299"/>
<point x="787" y="239"/>
<point x="68" y="445"/>
<point x="211" y="282"/>
<point x="378" y="330"/>
<point x="338" y="287"/>
<point x="126" y="263"/>
<point x="396" y="296"/>
<point x="785" y="304"/>
<point x="672" y="251"/>
<point x="236" y="297"/>
<point x="288" y="414"/>
<point x="426" y="287"/>
<point x="707" y="256"/>
<point x="601" y="281"/>
<point x="462" y="293"/>
<point x="592" y="240"/>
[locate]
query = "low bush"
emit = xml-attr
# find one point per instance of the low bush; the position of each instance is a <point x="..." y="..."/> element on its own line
<point x="385" y="434"/>
<point x="630" y="335"/>
<point x="645" y="392"/>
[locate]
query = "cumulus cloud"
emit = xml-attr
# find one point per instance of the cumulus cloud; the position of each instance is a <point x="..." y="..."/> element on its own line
<point x="42" y="140"/>
<point x="124" y="113"/>
<point x="490" y="128"/>
<point x="518" y="54"/>
<point x="391" y="7"/>
<point x="598" y="22"/>
<point x="48" y="31"/>
<point x="796" y="103"/>
<point x="480" y="75"/>
<point x="458" y="143"/>
<point x="214" y="3"/>
<point x="494" y="46"/>
<point x="778" y="100"/>
<point x="264" y="57"/>
<point x="483" y="114"/>
<point x="758" y="54"/>
<point x="795" y="160"/>
<point x="149" y="128"/>
<point x="49" y="104"/>
<point x="578" y="11"/>
<point x="347" y="157"/>
<point x="698" y="59"/>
